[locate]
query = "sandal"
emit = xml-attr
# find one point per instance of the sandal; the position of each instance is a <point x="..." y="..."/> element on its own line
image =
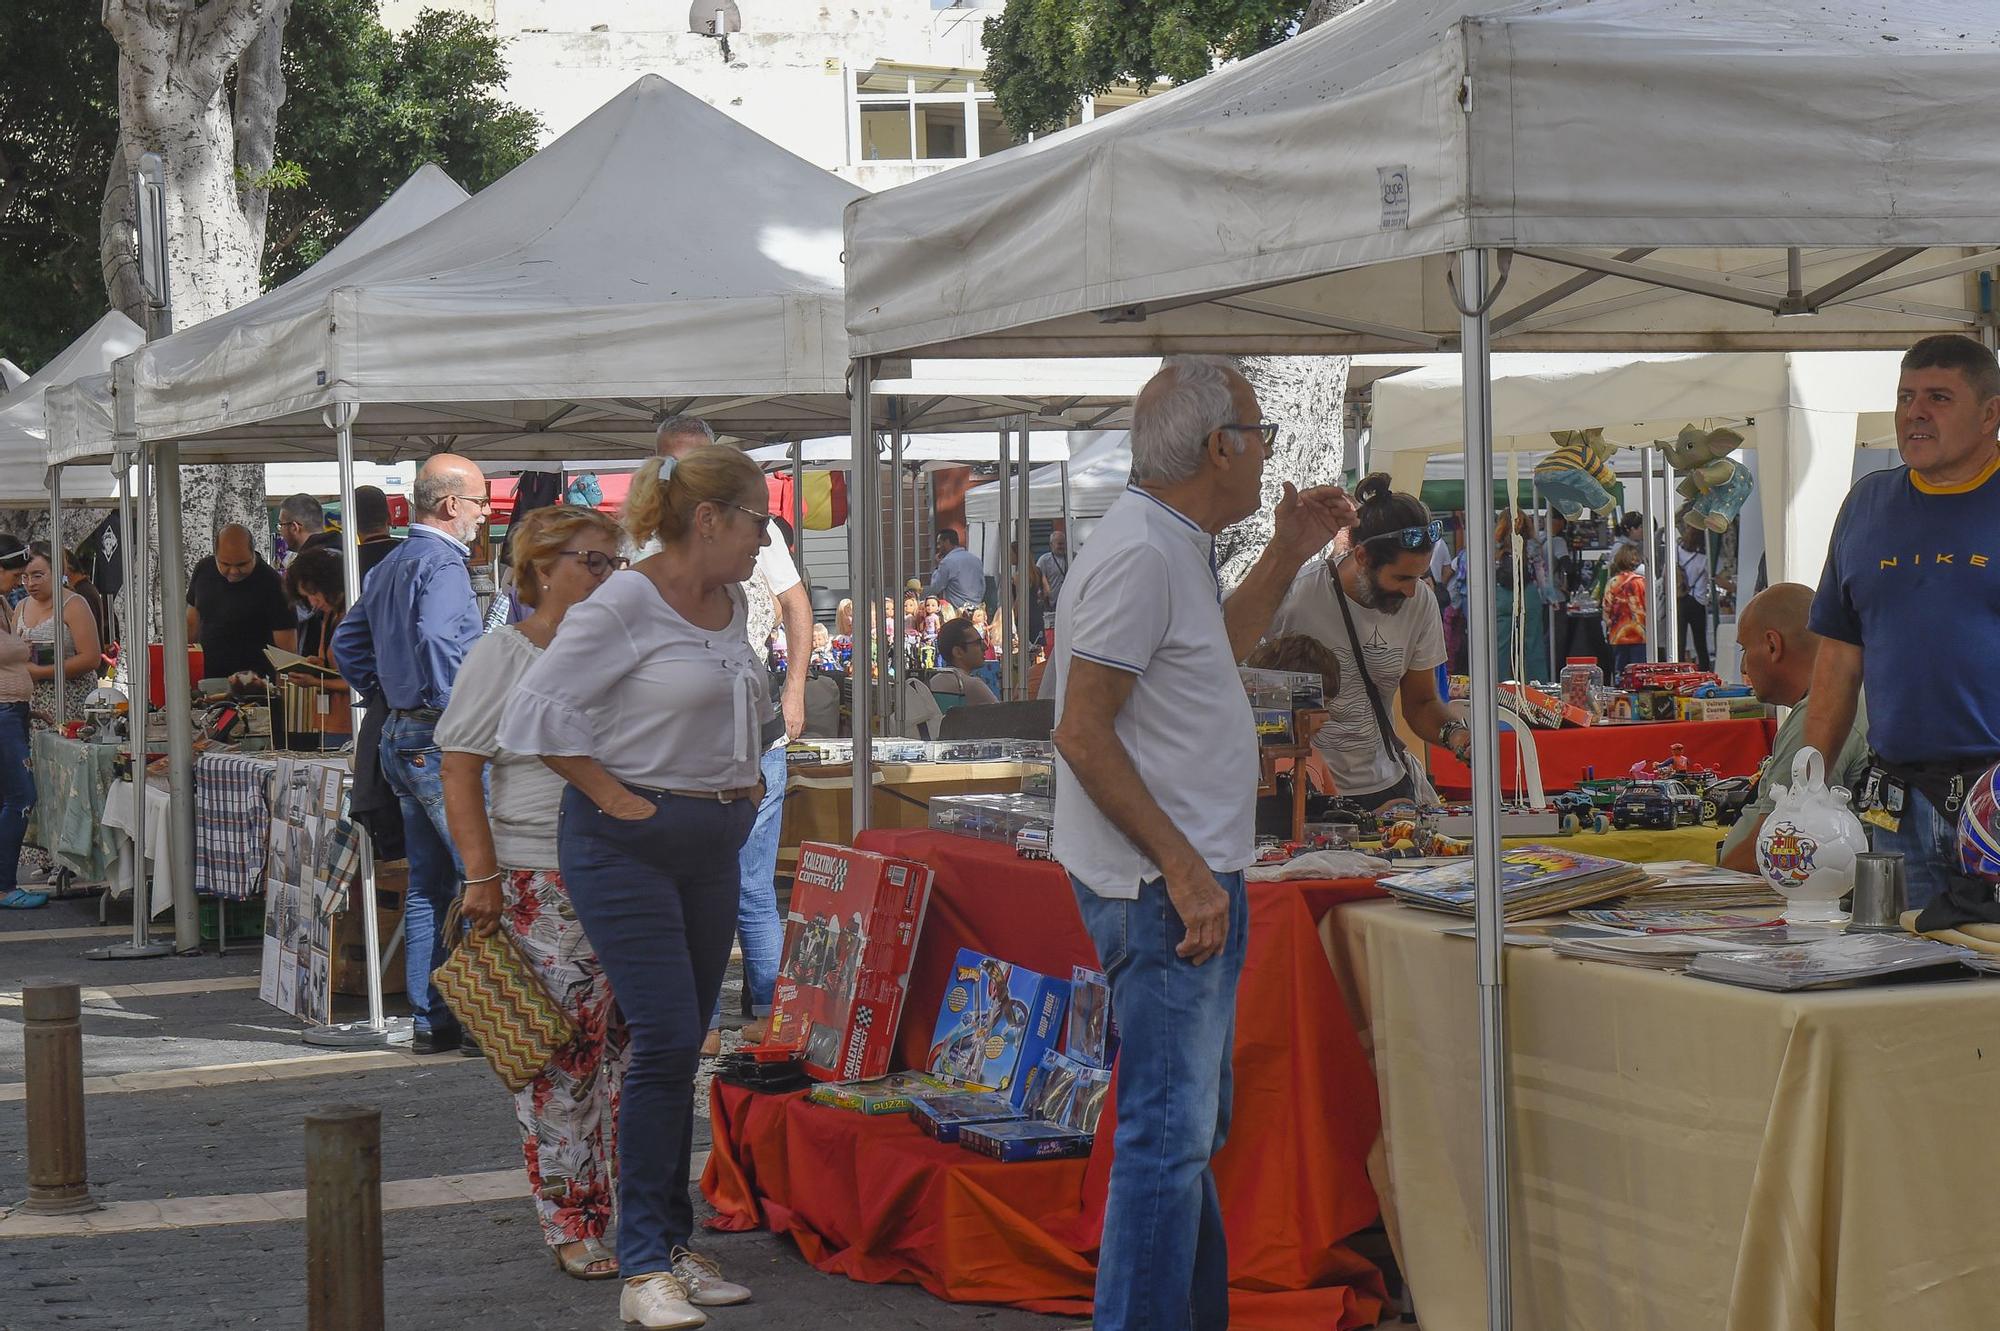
<point x="579" y="1264"/>
<point x="22" y="899"/>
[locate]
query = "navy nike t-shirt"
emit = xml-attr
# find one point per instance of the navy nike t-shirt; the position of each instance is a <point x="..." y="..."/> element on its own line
<point x="1913" y="578"/>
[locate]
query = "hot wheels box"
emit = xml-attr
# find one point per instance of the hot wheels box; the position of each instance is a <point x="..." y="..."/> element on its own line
<point x="943" y="1115"/>
<point x="996" y="1022"/>
<point x="1092" y="1036"/>
<point x="893" y="1094"/>
<point x="1025" y="1139"/>
<point x="849" y="938"/>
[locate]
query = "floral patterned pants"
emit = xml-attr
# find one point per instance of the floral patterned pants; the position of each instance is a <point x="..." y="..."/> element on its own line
<point x="568" y="1114"/>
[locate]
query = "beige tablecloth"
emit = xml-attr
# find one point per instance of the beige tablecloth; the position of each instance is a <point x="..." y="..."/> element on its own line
<point x="1686" y="1154"/>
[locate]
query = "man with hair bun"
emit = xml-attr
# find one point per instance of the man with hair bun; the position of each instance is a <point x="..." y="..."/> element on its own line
<point x="1155" y="811"/>
<point x="1373" y="608"/>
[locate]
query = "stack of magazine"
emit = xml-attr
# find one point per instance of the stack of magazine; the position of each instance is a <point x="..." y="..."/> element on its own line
<point x="1534" y="880"/>
<point x="1841" y="959"/>
<point x="1686" y="885"/>
<point x="1674" y="951"/>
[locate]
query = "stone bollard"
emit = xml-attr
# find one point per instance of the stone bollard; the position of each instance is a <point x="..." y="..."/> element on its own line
<point x="344" y="1219"/>
<point x="52" y="1039"/>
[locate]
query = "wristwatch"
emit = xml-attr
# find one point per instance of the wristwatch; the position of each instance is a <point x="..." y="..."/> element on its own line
<point x="1445" y="731"/>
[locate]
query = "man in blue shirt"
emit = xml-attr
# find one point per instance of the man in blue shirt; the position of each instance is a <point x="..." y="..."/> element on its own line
<point x="403" y="642"/>
<point x="1909" y="610"/>
<point x="959" y="576"/>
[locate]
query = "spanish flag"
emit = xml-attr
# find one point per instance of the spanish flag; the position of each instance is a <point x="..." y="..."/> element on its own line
<point x="823" y="495"/>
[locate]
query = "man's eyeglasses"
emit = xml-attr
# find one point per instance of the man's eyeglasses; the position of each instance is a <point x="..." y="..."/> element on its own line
<point x="1267" y="431"/>
<point x="485" y="502"/>
<point x="1411" y="538"/>
<point x="600" y="564"/>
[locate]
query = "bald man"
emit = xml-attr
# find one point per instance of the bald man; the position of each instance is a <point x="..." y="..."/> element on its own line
<point x="1779" y="653"/>
<point x="237" y="607"/>
<point x="401" y="645"/>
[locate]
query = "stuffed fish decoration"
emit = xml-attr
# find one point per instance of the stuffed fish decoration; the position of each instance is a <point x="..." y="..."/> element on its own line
<point x="1714" y="487"/>
<point x="1576" y="478"/>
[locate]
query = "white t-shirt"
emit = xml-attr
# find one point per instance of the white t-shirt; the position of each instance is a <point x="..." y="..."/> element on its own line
<point x="1411" y="639"/>
<point x="523" y="795"/>
<point x="660" y="702"/>
<point x="1142" y="597"/>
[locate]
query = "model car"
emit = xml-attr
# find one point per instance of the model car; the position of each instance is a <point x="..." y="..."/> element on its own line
<point x="1656" y="804"/>
<point x="1730" y="796"/>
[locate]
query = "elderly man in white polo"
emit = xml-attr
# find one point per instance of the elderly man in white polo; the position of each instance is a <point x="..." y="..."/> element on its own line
<point x="1155" y="812"/>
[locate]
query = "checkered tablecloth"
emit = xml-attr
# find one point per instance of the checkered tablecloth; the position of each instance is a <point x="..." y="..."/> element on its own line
<point x="232" y="823"/>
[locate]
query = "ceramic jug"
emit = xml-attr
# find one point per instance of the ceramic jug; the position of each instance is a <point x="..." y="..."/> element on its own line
<point x="1807" y="846"/>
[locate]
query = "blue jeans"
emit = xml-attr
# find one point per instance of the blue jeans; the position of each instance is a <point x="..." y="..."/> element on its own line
<point x="413" y="767"/>
<point x="1627" y="653"/>
<point x="757" y="920"/>
<point x="1163" y="1264"/>
<point x="17" y="789"/>
<point x="657" y="898"/>
<point x="1928" y="843"/>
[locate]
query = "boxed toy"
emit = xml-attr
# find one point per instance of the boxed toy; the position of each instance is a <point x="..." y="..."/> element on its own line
<point x="849" y="937"/>
<point x="1542" y="709"/>
<point x="1062" y="1090"/>
<point x="1024" y="1139"/>
<point x="893" y="1094"/>
<point x="996" y="1022"/>
<point x="941" y="1116"/>
<point x="1092" y="1036"/>
<point x="1274" y="724"/>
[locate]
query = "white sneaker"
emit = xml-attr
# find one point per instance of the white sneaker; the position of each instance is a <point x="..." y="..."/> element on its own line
<point x="703" y="1278"/>
<point x="658" y="1300"/>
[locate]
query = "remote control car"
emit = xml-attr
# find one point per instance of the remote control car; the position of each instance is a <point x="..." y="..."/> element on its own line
<point x="1656" y="804"/>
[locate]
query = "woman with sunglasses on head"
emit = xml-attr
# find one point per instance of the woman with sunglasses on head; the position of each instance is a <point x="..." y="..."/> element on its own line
<point x="652" y="706"/>
<point x="507" y="839"/>
<point x="1371" y="606"/>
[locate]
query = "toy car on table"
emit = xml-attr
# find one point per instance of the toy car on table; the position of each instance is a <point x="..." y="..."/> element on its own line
<point x="1656" y="804"/>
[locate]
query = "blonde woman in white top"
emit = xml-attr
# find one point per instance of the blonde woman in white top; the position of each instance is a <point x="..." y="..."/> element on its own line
<point x="651" y="704"/>
<point x="507" y="838"/>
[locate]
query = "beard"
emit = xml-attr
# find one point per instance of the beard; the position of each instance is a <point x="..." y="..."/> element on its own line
<point x="1376" y="597"/>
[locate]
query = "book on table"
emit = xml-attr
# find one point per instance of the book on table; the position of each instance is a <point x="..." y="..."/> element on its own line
<point x="1840" y="959"/>
<point x="1534" y="880"/>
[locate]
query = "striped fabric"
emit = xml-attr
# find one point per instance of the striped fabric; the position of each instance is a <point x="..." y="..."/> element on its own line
<point x="232" y="824"/>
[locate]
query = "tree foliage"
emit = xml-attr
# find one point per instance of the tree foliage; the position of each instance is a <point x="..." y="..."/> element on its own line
<point x="364" y="108"/>
<point x="1043" y="57"/>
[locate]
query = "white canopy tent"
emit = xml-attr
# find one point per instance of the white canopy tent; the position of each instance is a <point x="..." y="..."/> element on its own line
<point x="12" y="376"/>
<point x="1803" y="413"/>
<point x="1461" y="174"/>
<point x="24" y="435"/>
<point x="1099" y="465"/>
<point x="928" y="451"/>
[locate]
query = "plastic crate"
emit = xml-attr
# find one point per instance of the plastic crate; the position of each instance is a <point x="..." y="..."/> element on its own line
<point x="245" y="918"/>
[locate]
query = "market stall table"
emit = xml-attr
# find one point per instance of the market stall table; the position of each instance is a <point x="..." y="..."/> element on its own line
<point x="819" y="800"/>
<point x="1638" y="846"/>
<point x="159" y="859"/>
<point x="1732" y="748"/>
<point x="71" y="780"/>
<point x="1685" y="1153"/>
<point x="875" y="1200"/>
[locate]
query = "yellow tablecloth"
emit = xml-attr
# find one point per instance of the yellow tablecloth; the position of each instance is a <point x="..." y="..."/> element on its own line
<point x="819" y="801"/>
<point x="1686" y="1154"/>
<point x="1638" y="847"/>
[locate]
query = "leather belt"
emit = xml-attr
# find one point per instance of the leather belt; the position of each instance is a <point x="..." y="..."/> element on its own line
<point x="417" y="713"/>
<point x="713" y="796"/>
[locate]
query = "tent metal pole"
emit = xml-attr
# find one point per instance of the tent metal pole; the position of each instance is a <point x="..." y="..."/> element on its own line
<point x="132" y="653"/>
<point x="1006" y="580"/>
<point x="1652" y="601"/>
<point x="177" y="688"/>
<point x="56" y="543"/>
<point x="1019" y="645"/>
<point x="1670" y="571"/>
<point x="1477" y="370"/>
<point x="375" y="1032"/>
<point x="862" y="517"/>
<point x="900" y="641"/>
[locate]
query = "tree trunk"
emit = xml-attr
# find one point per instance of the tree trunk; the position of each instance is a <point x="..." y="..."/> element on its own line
<point x="175" y="62"/>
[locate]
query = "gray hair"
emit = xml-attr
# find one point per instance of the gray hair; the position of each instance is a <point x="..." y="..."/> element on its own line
<point x="674" y="426"/>
<point x="1177" y="410"/>
<point x="432" y="487"/>
<point x="304" y="510"/>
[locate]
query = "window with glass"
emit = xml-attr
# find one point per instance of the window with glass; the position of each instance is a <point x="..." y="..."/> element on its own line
<point x="918" y="115"/>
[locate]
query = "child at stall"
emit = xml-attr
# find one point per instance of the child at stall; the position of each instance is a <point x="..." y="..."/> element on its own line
<point x="1625" y="608"/>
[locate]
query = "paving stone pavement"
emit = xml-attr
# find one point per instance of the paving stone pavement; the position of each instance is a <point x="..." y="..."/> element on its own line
<point x="469" y="1265"/>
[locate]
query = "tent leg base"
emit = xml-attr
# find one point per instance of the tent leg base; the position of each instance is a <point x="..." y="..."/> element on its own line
<point x="361" y="1035"/>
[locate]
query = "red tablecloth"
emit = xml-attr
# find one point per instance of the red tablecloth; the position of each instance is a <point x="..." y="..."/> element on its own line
<point x="1733" y="748"/>
<point x="875" y="1200"/>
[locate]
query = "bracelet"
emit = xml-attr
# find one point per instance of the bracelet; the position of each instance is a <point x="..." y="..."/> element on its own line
<point x="496" y="875"/>
<point x="1445" y="731"/>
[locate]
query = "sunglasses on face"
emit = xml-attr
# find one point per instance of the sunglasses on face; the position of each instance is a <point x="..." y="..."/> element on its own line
<point x="1411" y="538"/>
<point x="601" y="565"/>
